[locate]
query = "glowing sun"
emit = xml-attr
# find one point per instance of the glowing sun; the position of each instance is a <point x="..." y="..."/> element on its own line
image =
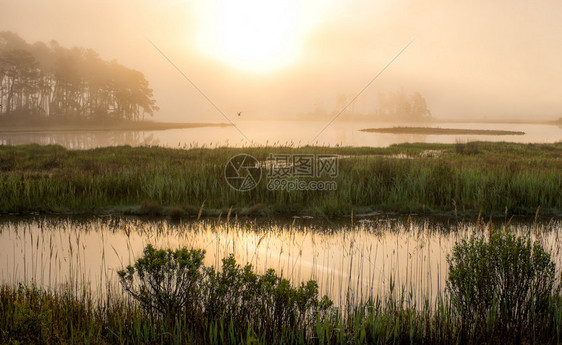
<point x="256" y="35"/>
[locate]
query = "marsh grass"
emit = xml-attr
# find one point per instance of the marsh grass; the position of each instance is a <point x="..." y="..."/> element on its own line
<point x="410" y="308"/>
<point x="35" y="316"/>
<point x="176" y="182"/>
<point x="466" y="148"/>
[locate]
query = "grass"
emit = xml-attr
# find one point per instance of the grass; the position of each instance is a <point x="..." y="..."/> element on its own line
<point x="236" y="306"/>
<point x="33" y="316"/>
<point x="422" y="178"/>
<point x="441" y="131"/>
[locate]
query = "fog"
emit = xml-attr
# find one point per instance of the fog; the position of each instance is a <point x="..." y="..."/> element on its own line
<point x="482" y="60"/>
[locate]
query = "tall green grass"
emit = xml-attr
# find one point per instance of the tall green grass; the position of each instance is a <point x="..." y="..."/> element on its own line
<point x="177" y="182"/>
<point x="237" y="306"/>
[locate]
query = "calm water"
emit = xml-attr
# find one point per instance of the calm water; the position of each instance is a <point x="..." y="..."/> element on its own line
<point x="354" y="262"/>
<point x="280" y="132"/>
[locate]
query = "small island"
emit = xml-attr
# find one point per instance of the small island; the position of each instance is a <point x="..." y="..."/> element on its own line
<point x="440" y="131"/>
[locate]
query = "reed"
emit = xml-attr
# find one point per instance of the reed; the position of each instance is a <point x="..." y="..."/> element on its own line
<point x="73" y="307"/>
<point x="176" y="182"/>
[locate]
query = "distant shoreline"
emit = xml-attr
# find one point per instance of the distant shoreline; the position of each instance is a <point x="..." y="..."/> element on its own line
<point x="116" y="126"/>
<point x="496" y="121"/>
<point x="440" y="131"/>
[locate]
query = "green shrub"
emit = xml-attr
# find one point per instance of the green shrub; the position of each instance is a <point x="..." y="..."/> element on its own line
<point x="166" y="281"/>
<point x="267" y="302"/>
<point x="501" y="285"/>
<point x="468" y="148"/>
<point x="175" y="285"/>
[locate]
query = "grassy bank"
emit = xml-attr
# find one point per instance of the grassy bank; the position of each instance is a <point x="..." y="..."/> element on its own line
<point x="49" y="125"/>
<point x="33" y="316"/>
<point x="424" y="178"/>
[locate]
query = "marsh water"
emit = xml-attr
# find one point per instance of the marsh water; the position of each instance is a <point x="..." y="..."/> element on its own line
<point x="351" y="260"/>
<point x="281" y="133"/>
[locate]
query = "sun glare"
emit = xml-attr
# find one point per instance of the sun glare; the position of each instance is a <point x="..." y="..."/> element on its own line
<point x="257" y="35"/>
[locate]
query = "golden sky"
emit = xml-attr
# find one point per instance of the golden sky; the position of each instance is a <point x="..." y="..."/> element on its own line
<point x="275" y="58"/>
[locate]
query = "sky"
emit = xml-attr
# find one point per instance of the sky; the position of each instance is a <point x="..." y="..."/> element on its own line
<point x="482" y="60"/>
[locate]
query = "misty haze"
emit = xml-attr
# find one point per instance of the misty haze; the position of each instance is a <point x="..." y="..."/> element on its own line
<point x="280" y="172"/>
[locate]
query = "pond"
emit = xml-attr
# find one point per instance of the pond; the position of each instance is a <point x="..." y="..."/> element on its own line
<point x="351" y="261"/>
<point x="295" y="133"/>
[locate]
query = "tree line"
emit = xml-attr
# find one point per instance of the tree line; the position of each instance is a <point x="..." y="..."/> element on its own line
<point x="385" y="106"/>
<point x="50" y="81"/>
<point x="402" y="106"/>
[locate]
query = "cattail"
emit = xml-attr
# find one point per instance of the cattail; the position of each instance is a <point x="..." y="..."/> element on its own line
<point x="200" y="210"/>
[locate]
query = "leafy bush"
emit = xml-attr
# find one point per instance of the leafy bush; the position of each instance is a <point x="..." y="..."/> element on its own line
<point x="468" y="148"/>
<point x="166" y="281"/>
<point x="176" y="285"/>
<point x="500" y="285"/>
<point x="268" y="301"/>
